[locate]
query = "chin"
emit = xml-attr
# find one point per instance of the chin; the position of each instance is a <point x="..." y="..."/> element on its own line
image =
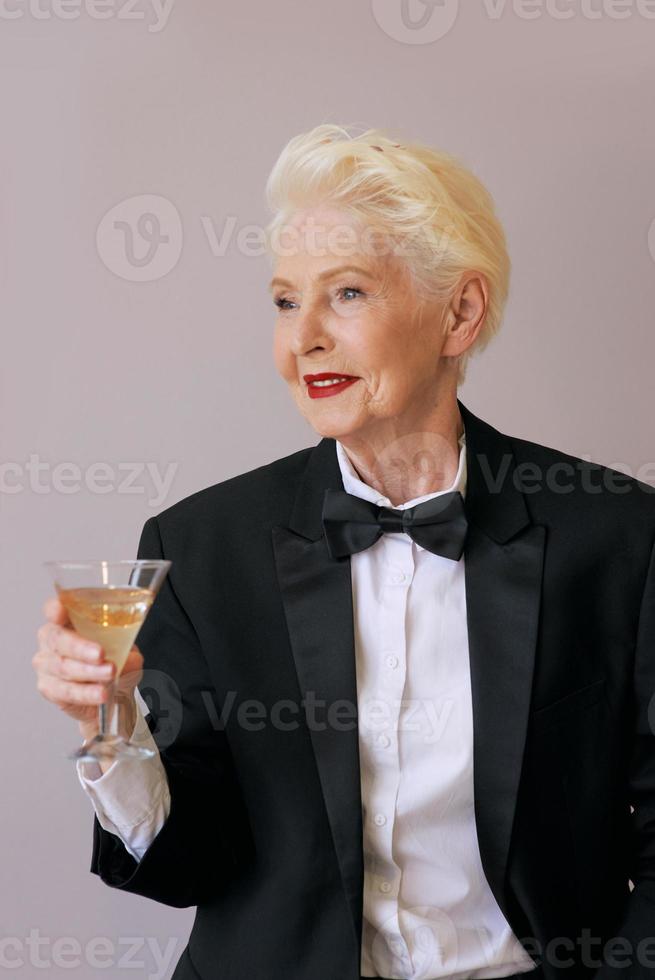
<point x="336" y="429"/>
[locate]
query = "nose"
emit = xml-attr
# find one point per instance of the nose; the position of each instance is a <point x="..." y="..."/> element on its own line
<point x="310" y="332"/>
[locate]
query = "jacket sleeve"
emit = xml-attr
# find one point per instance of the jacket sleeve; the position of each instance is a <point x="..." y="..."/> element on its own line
<point x="635" y="937"/>
<point x="197" y="850"/>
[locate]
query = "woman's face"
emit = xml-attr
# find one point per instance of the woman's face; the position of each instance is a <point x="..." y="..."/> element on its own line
<point x="349" y="311"/>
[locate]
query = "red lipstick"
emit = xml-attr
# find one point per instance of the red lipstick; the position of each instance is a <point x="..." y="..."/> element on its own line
<point x="332" y="388"/>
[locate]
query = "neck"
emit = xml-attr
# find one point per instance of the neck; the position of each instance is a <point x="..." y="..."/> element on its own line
<point x="408" y="461"/>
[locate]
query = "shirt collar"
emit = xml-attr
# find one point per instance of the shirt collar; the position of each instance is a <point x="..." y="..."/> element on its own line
<point x="353" y="484"/>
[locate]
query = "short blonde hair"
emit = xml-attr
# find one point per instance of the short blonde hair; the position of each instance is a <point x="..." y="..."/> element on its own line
<point x="423" y="198"/>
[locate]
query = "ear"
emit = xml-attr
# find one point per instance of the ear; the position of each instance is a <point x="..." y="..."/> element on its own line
<point x="466" y="314"/>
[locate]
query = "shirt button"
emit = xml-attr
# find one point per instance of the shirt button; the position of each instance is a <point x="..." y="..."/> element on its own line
<point x="380" y="819"/>
<point x="398" y="578"/>
<point x="385" y="886"/>
<point x="384" y="741"/>
<point x="392" y="662"/>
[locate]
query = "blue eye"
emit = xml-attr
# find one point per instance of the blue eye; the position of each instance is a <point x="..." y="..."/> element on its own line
<point x="283" y="304"/>
<point x="349" y="289"/>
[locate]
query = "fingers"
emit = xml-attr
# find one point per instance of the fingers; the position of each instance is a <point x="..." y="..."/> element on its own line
<point x="66" y="642"/>
<point x="55" y="612"/>
<point x="71" y="669"/>
<point x="66" y="693"/>
<point x="134" y="660"/>
<point x="131" y="673"/>
<point x="72" y="672"/>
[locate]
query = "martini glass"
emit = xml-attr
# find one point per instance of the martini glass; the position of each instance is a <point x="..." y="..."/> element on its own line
<point x="107" y="602"/>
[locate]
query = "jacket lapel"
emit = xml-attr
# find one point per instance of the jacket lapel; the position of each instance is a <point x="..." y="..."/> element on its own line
<point x="503" y="568"/>
<point x="317" y="596"/>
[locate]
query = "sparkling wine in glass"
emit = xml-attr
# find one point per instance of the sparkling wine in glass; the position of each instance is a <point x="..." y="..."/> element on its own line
<point x="107" y="603"/>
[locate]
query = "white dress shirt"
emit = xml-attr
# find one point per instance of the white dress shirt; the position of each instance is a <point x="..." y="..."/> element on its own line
<point x="428" y="909"/>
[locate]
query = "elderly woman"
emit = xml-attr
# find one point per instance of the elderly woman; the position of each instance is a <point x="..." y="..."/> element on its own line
<point x="398" y="682"/>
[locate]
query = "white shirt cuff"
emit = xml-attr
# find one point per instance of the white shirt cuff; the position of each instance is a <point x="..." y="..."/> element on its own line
<point x="131" y="799"/>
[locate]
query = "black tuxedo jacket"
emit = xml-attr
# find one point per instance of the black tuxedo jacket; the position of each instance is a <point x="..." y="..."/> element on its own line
<point x="250" y="680"/>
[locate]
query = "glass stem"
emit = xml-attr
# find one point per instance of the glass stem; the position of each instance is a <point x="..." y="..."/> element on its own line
<point x="105" y="714"/>
<point x="102" y="720"/>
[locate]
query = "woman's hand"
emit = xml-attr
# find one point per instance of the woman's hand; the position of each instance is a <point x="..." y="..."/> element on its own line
<point x="72" y="673"/>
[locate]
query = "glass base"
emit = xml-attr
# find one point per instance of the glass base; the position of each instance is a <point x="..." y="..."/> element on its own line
<point x="109" y="747"/>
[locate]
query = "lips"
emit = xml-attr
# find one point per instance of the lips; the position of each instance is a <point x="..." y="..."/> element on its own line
<point x="326" y="384"/>
<point x="325" y="376"/>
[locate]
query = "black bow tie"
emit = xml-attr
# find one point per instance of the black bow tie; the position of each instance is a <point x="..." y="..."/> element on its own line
<point x="351" y="524"/>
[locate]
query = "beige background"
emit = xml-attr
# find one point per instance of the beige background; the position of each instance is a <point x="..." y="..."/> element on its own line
<point x="554" y="113"/>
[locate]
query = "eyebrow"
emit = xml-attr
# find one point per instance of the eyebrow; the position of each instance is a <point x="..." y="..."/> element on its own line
<point x="328" y="274"/>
